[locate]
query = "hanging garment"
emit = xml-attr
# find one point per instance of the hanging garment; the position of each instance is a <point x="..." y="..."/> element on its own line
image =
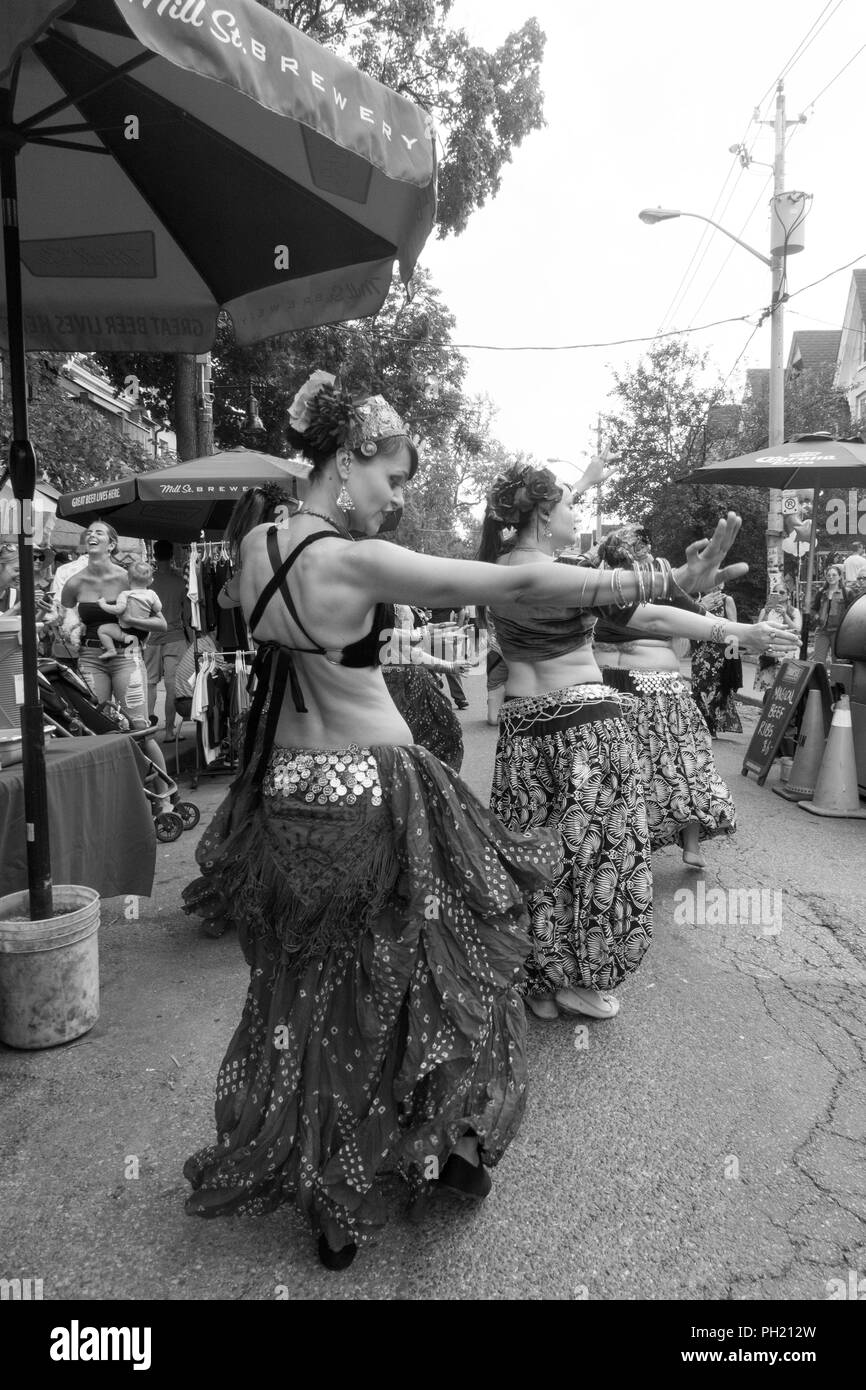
<point x="193" y="587"/>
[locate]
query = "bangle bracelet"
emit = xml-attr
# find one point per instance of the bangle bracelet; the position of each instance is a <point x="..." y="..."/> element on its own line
<point x="641" y="588"/>
<point x="718" y="633"/>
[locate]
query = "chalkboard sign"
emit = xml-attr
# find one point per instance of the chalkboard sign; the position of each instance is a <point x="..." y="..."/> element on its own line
<point x="793" y="680"/>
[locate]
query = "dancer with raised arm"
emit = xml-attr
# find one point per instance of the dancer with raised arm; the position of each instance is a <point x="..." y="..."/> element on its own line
<point x="686" y="799"/>
<point x="565" y="757"/>
<point x="380" y="906"/>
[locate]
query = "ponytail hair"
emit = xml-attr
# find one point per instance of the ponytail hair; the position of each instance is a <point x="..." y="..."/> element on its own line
<point x="257" y="506"/>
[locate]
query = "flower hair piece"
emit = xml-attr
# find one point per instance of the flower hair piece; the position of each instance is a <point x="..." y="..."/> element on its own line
<point x="516" y="494"/>
<point x="328" y="417"/>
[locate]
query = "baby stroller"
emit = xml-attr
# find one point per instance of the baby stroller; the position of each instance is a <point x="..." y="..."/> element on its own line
<point x="71" y="706"/>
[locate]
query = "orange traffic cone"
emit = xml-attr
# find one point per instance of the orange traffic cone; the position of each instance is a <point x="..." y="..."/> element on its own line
<point x="836" y="788"/>
<point x="810" y="750"/>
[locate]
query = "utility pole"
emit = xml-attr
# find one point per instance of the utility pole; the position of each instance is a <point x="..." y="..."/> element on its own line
<point x="598" y="492"/>
<point x="777" y="332"/>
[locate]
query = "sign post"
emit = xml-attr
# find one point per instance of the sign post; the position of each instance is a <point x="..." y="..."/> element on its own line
<point x="793" y="680"/>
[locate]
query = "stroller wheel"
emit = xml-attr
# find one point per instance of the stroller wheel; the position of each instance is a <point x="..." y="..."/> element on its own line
<point x="169" y="826"/>
<point x="189" y="813"/>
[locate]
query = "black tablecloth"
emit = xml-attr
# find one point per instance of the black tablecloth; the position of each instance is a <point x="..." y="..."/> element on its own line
<point x="102" y="832"/>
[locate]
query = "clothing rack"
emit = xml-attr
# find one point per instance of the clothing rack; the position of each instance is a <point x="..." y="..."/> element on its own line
<point x="227" y="666"/>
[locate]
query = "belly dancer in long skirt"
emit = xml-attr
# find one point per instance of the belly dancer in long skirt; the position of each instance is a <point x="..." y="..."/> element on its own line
<point x="565" y="757"/>
<point x="380" y="906"/>
<point x="686" y="799"/>
<point x="412" y="676"/>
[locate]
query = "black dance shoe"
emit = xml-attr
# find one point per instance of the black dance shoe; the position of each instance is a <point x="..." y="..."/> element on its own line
<point x="466" y="1179"/>
<point x="336" y="1259"/>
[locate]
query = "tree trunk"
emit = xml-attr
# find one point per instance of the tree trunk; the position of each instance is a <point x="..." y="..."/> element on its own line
<point x="185" y="407"/>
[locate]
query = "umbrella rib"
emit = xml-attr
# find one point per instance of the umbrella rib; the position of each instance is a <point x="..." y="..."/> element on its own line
<point x="61" y="105"/>
<point x="13" y="85"/>
<point x="67" y="145"/>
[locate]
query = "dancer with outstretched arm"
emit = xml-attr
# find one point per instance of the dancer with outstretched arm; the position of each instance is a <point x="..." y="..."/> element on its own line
<point x="380" y="906"/>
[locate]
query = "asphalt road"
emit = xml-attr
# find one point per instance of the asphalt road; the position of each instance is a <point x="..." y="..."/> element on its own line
<point x="705" y="1144"/>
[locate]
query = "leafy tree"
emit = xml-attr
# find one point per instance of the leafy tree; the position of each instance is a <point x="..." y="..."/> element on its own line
<point x="659" y="431"/>
<point x="75" y="444"/>
<point x="655" y="425"/>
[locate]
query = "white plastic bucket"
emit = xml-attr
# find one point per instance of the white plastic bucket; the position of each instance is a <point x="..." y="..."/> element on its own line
<point x="49" y="969"/>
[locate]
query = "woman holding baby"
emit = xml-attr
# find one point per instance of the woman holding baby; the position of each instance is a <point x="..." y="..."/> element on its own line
<point x="122" y="675"/>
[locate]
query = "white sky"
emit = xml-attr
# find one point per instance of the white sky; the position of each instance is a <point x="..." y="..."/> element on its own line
<point x="643" y="102"/>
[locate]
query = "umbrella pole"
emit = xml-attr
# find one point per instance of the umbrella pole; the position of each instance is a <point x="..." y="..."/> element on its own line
<point x="810" y="574"/>
<point x="22" y="469"/>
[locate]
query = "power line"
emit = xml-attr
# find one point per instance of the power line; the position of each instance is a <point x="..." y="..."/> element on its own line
<point x="622" y="342"/>
<point x="575" y="347"/>
<point x="836" y="78"/>
<point x="799" y="51"/>
<point x="706" y="236"/>
<point x="705" y="241"/>
<point x="828" y="276"/>
<point x="749" y="217"/>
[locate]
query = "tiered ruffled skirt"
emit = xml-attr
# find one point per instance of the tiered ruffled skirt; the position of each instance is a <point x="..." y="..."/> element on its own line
<point x="382" y="911"/>
<point x="675" y="757"/>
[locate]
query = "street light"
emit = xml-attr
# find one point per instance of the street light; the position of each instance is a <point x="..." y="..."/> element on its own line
<point x="653" y="215"/>
<point x="776" y="262"/>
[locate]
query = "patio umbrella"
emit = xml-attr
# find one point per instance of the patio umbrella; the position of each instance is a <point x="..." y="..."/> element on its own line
<point x="178" y="503"/>
<point x="809" y="461"/>
<point x="162" y="161"/>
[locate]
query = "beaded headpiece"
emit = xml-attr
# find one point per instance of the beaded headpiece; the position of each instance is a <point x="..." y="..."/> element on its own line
<point x="326" y="414"/>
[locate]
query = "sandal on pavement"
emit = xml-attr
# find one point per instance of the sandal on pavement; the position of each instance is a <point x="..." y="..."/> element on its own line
<point x="542" y="1006"/>
<point x="598" y="1005"/>
<point x="470" y="1181"/>
<point x="336" y="1259"/>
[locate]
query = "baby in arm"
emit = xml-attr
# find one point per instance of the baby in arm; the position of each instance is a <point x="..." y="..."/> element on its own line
<point x="138" y="601"/>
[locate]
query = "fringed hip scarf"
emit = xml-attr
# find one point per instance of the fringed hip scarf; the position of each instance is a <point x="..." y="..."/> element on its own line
<point x="322" y="864"/>
<point x="557" y="710"/>
<point x="644" y="682"/>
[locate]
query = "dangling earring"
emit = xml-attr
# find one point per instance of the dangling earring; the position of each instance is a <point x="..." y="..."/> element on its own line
<point x="344" y="501"/>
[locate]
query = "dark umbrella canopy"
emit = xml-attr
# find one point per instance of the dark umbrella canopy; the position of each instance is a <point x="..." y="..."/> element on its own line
<point x="812" y="461"/>
<point x="153" y="195"/>
<point x="180" y="502"/>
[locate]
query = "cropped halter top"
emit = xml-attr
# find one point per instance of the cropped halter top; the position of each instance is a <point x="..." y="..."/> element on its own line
<point x="273" y="665"/>
<point x="540" y="632"/>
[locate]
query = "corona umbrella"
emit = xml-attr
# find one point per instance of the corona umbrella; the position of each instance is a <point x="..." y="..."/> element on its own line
<point x="808" y="461"/>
